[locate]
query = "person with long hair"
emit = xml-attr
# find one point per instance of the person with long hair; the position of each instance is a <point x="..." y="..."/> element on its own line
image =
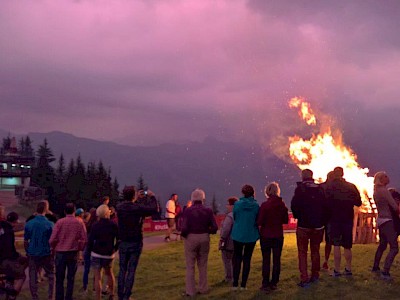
<point x="244" y="235"/>
<point x="387" y="234"/>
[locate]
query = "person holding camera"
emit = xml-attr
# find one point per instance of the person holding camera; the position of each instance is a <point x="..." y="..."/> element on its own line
<point x="226" y="242"/>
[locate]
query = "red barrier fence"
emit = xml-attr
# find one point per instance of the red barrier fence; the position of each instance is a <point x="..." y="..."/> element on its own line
<point x="161" y="225"/>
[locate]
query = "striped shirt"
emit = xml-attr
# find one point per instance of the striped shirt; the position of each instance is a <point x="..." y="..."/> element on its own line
<point x="69" y="234"/>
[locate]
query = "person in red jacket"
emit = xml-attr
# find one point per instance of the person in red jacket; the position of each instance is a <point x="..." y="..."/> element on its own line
<point x="272" y="215"/>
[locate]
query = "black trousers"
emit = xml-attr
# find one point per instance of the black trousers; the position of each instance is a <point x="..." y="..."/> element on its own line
<point x="271" y="246"/>
<point x="242" y="254"/>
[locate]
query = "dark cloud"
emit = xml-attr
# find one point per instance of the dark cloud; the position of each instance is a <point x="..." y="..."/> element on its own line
<point x="154" y="71"/>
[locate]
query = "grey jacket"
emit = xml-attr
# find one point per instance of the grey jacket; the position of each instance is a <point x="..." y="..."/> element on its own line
<point x="226" y="230"/>
<point x="384" y="202"/>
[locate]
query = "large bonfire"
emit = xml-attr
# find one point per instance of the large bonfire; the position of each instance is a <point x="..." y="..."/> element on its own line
<point x="324" y="151"/>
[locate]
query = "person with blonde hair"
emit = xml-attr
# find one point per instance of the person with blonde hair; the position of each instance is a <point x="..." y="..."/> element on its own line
<point x="102" y="246"/>
<point x="386" y="205"/>
<point x="272" y="215"/>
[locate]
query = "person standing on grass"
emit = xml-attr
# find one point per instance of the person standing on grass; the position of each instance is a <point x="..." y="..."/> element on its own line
<point x="12" y="264"/>
<point x="170" y="214"/>
<point x="273" y="214"/>
<point x="386" y="206"/>
<point x="131" y="214"/>
<point x="226" y="242"/>
<point x="342" y="196"/>
<point x="309" y="207"/>
<point x="67" y="239"/>
<point x="327" y="233"/>
<point x="37" y="234"/>
<point x="86" y="253"/>
<point x="102" y="245"/>
<point x="244" y="235"/>
<point x="198" y="223"/>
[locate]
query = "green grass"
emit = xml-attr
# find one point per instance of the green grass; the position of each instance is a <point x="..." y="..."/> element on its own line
<point x="161" y="275"/>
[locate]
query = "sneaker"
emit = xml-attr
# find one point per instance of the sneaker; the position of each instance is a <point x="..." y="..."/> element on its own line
<point x="264" y="288"/>
<point x="234" y="288"/>
<point x="347" y="272"/>
<point x="336" y="273"/>
<point x="386" y="276"/>
<point x="303" y="284"/>
<point x="243" y="288"/>
<point x="325" y="266"/>
<point x="273" y="287"/>
<point x="167" y="239"/>
<point x="313" y="280"/>
<point x="376" y="270"/>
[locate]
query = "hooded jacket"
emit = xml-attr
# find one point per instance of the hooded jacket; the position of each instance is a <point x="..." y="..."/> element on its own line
<point x="273" y="213"/>
<point x="245" y="229"/>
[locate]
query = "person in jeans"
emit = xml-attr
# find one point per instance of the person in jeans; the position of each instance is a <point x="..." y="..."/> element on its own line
<point x="102" y="246"/>
<point x="37" y="234"/>
<point x="131" y="214"/>
<point x="387" y="206"/>
<point x="67" y="239"/>
<point x="86" y="253"/>
<point x="273" y="214"/>
<point x="198" y="223"/>
<point x="342" y="196"/>
<point x="244" y="235"/>
<point x="309" y="207"/>
<point x="226" y="242"/>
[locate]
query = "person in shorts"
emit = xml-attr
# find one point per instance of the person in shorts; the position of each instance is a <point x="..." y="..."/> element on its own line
<point x="342" y="196"/>
<point x="102" y="245"/>
<point x="170" y="214"/>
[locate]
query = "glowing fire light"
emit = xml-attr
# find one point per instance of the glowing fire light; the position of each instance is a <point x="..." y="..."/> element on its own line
<point x="322" y="153"/>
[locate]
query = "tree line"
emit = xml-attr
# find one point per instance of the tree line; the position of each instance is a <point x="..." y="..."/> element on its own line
<point x="73" y="182"/>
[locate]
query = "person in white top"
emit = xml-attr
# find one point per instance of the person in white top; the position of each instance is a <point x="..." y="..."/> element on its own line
<point x="170" y="214"/>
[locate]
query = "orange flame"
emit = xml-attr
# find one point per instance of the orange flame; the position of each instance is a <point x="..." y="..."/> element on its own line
<point x="305" y="111"/>
<point x="322" y="153"/>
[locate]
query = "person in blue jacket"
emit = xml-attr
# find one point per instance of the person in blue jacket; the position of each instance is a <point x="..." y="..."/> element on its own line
<point x="244" y="234"/>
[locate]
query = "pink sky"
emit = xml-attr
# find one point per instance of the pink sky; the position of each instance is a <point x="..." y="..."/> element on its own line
<point x="156" y="71"/>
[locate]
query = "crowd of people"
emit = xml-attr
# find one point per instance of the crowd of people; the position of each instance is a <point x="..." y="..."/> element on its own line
<point x="55" y="247"/>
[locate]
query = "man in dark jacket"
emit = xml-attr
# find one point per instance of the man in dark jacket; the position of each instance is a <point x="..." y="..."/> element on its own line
<point x="198" y="223"/>
<point x="131" y="214"/>
<point x="342" y="196"/>
<point x="309" y="207"/>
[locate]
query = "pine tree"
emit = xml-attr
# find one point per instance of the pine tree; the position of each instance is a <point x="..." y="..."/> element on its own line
<point x="141" y="185"/>
<point x="43" y="174"/>
<point x="28" y="147"/>
<point x="214" y="205"/>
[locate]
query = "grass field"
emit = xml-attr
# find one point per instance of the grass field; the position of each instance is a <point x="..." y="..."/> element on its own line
<point x="161" y="275"/>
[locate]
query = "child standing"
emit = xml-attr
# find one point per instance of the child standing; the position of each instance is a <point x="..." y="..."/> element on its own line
<point x="226" y="243"/>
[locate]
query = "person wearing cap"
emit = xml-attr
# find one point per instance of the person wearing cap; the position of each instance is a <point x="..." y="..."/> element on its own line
<point x="79" y="214"/>
<point x="36" y="241"/>
<point x="13" y="219"/>
<point x="102" y="245"/>
<point x="309" y="207"/>
<point x="68" y="237"/>
<point x="131" y="214"/>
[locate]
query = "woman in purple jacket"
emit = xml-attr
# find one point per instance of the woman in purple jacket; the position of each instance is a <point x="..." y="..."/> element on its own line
<point x="272" y="215"/>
